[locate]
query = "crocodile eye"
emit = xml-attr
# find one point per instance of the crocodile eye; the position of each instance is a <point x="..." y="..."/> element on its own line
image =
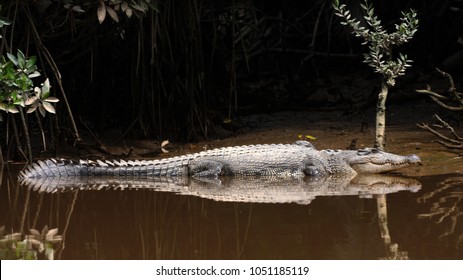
<point x="363" y="152"/>
<point x="368" y="151"/>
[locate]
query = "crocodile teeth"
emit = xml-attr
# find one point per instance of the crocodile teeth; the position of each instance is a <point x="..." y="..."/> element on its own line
<point x="101" y="163"/>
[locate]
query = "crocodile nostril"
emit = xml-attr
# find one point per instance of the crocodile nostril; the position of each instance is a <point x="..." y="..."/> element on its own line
<point x="414" y="159"/>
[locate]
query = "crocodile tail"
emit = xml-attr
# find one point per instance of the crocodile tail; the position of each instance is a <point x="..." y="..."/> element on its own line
<point x="69" y="168"/>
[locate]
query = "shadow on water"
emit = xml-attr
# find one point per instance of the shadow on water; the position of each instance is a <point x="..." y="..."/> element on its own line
<point x="367" y="217"/>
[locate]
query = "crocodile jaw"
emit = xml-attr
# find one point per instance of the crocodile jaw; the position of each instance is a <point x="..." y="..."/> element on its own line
<point x="380" y="165"/>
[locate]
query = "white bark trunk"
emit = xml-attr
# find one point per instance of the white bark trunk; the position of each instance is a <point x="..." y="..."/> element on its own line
<point x="380" y="140"/>
<point x="381" y="204"/>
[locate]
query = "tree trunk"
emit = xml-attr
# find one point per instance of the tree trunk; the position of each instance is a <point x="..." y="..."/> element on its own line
<point x="380" y="140"/>
<point x="381" y="204"/>
<point x="26" y="135"/>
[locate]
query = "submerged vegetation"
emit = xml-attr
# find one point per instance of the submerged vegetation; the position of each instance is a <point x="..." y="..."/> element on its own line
<point x="36" y="245"/>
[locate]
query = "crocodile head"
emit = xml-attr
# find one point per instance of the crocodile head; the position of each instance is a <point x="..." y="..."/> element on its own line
<point x="372" y="160"/>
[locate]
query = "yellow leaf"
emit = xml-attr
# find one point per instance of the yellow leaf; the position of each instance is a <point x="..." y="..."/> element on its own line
<point x="128" y="12"/>
<point x="164" y="143"/>
<point x="77" y="8"/>
<point x="47" y="106"/>
<point x="34" y="232"/>
<point x="299" y="136"/>
<point x="101" y="12"/>
<point x="112" y="13"/>
<point x="310" y="137"/>
<point x="31" y="100"/>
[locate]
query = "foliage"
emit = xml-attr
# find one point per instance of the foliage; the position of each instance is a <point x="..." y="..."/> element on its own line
<point x="163" y="69"/>
<point x="381" y="45"/>
<point x="111" y="7"/>
<point x="17" y="87"/>
<point x="36" y="245"/>
<point x="381" y="42"/>
<point x="3" y="21"/>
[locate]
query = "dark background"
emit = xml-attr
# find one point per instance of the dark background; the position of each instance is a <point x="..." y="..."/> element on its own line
<point x="180" y="69"/>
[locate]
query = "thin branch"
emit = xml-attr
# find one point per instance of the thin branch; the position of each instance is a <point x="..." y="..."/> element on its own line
<point x="450" y="146"/>
<point x="451" y="108"/>
<point x="454" y="97"/>
<point x="432" y="93"/>
<point x="56" y="72"/>
<point x="26" y="134"/>
<point x="441" y="136"/>
<point x="449" y="127"/>
<point x="452" y="88"/>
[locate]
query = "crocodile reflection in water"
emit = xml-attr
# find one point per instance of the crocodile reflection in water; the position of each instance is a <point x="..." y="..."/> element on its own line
<point x="256" y="189"/>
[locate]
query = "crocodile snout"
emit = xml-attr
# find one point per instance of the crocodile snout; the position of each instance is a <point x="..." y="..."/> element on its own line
<point x="414" y="159"/>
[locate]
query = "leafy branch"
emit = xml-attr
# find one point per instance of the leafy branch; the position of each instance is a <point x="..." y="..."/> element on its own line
<point x="379" y="57"/>
<point x="17" y="88"/>
<point x="113" y="7"/>
<point x="17" y="91"/>
<point x="381" y="42"/>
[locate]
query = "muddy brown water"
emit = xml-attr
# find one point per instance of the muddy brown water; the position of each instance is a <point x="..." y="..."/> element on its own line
<point x="418" y="221"/>
<point x="110" y="223"/>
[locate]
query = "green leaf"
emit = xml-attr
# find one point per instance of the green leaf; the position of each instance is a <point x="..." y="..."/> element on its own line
<point x="31" y="62"/>
<point x="45" y="95"/>
<point x="34" y="74"/>
<point x="12" y="58"/>
<point x="46" y="88"/>
<point x="4" y="21"/>
<point x="21" y="60"/>
<point x="19" y="102"/>
<point x="11" y="109"/>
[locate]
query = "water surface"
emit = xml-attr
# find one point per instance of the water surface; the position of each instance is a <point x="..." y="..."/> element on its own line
<point x="420" y="219"/>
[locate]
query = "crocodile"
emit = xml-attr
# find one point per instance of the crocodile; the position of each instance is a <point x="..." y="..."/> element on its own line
<point x="252" y="189"/>
<point x="297" y="160"/>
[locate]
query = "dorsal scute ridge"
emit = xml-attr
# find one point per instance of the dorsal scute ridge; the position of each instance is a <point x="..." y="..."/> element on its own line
<point x="56" y="167"/>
